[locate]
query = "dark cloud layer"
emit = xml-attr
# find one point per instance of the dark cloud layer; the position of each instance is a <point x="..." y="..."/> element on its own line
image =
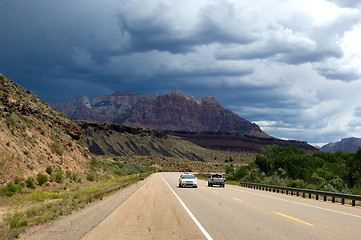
<point x="293" y="69"/>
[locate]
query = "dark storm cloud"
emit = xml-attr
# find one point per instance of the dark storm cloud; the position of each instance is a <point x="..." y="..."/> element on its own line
<point x="155" y="31"/>
<point x="269" y="65"/>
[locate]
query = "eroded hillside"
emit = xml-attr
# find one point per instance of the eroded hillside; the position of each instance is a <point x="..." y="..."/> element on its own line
<point x="34" y="136"/>
<point x="154" y="148"/>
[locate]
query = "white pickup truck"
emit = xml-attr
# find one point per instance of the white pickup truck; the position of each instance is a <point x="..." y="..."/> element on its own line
<point x="216" y="179"/>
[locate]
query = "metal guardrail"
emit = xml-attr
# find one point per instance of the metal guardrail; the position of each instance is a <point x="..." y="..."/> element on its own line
<point x="299" y="191"/>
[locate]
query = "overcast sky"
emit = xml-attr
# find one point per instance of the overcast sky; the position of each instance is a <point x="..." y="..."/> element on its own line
<point x="291" y="66"/>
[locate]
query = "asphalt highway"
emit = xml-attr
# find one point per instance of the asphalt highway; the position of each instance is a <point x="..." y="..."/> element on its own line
<point x="241" y="213"/>
<point x="162" y="210"/>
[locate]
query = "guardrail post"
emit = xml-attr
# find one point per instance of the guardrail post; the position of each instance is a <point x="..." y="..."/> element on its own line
<point x="343" y="201"/>
<point x="353" y="202"/>
<point x="316" y="196"/>
<point x="309" y="195"/>
<point x="298" y="193"/>
<point x="303" y="195"/>
<point x="333" y="199"/>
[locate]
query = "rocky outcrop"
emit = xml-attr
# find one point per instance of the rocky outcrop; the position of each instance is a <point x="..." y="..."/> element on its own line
<point x="115" y="108"/>
<point x="351" y="144"/>
<point x="178" y="112"/>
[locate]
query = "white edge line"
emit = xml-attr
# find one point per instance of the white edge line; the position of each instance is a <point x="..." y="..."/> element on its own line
<point x="190" y="213"/>
<point x="303" y="204"/>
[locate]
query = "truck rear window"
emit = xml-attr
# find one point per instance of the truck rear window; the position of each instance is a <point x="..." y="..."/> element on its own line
<point x="216" y="176"/>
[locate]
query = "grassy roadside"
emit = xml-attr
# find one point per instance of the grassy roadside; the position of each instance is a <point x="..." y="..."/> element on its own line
<point x="29" y="207"/>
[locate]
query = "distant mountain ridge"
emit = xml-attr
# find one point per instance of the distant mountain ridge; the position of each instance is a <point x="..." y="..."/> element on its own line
<point x="174" y="112"/>
<point x="351" y="144"/>
<point x="114" y="108"/>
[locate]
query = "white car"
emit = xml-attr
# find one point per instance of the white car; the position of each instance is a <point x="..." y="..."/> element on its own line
<point x="188" y="180"/>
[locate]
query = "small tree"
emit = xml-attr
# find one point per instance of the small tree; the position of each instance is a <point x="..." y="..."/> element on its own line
<point x="59" y="175"/>
<point x="30" y="183"/>
<point x="49" y="170"/>
<point x="42" y="178"/>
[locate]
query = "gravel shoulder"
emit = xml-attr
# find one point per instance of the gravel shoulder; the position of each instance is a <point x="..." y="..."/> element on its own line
<point x="74" y="226"/>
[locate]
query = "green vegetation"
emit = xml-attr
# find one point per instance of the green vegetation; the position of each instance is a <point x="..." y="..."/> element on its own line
<point x="290" y="166"/>
<point x="58" y="177"/>
<point x="90" y="177"/>
<point x="30" y="183"/>
<point x="55" y="147"/>
<point x="10" y="189"/>
<point x="42" y="179"/>
<point x="49" y="170"/>
<point x="59" y="194"/>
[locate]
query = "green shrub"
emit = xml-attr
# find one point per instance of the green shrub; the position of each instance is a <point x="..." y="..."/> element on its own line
<point x="229" y="170"/>
<point x="23" y="223"/>
<point x="13" y="220"/>
<point x="55" y="147"/>
<point x="49" y="170"/>
<point x="90" y="177"/>
<point x="30" y="183"/>
<point x="42" y="178"/>
<point x="59" y="175"/>
<point x="10" y="189"/>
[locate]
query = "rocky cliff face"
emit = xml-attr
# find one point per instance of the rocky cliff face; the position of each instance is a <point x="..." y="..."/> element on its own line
<point x="346" y="145"/>
<point x="115" y="108"/>
<point x="176" y="111"/>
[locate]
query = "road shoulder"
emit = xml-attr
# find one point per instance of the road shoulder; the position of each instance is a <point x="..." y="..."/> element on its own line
<point x="74" y="226"/>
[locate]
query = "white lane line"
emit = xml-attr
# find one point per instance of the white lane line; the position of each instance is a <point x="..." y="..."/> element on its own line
<point x="205" y="233"/>
<point x="302" y="204"/>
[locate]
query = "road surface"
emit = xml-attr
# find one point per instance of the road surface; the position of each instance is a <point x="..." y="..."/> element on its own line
<point x="156" y="212"/>
<point x="158" y="209"/>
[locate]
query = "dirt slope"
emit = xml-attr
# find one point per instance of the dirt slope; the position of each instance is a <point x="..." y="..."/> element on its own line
<point x="33" y="135"/>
